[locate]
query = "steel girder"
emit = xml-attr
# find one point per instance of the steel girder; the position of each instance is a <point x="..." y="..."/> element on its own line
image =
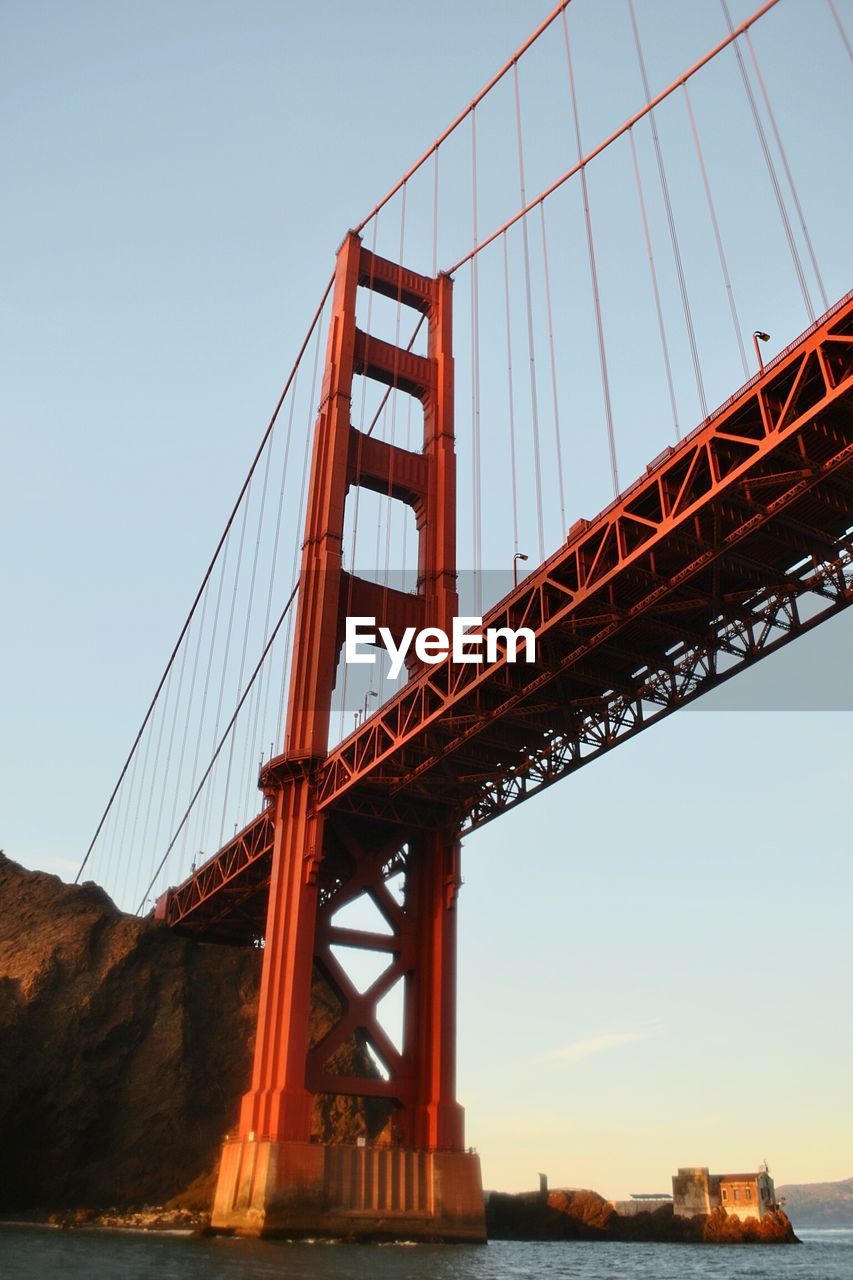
<point x="718" y="494"/>
<point x="698" y="570"/>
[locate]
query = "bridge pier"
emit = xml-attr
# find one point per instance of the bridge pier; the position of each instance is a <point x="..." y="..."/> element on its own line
<point x="365" y="1193"/>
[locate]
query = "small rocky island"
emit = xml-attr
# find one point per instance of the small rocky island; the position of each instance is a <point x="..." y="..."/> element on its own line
<point x="585" y="1215"/>
<point x="126" y="1051"/>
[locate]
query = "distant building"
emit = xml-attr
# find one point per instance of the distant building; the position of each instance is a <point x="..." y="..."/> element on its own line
<point x="641" y="1202"/>
<point x="742" y="1195"/>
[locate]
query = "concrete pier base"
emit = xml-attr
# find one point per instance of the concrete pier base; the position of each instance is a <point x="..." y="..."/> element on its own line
<point x="362" y="1193"/>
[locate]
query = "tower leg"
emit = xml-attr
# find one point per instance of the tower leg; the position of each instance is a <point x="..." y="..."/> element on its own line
<point x="274" y="1178"/>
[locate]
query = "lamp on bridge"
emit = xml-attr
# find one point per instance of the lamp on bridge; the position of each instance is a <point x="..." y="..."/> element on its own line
<point x="757" y="337"/>
<point x="519" y="555"/>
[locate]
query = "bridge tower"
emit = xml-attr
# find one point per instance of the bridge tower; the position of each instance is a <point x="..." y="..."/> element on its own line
<point x="411" y="1176"/>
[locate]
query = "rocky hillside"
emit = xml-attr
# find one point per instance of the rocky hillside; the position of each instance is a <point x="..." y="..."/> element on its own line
<point x="819" y="1204"/>
<point x="125" y="1051"/>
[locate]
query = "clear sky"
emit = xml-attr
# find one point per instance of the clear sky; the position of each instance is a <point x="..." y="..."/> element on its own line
<point x="655" y="961"/>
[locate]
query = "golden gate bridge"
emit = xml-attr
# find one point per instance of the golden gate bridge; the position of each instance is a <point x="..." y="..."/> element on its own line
<point x="478" y="306"/>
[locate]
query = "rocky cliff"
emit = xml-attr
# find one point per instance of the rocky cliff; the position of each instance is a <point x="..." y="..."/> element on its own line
<point x="125" y="1049"/>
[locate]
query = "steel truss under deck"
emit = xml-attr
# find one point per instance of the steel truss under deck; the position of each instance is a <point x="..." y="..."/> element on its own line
<point x="732" y="544"/>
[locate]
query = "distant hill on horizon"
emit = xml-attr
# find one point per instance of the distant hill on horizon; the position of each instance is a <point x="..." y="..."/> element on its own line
<point x="818" y="1204"/>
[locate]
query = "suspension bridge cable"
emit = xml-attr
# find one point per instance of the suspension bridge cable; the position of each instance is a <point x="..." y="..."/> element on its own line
<point x="262" y="689"/>
<point x="724" y="266"/>
<point x="167" y="765"/>
<point x="245" y="645"/>
<point x="463" y="115"/>
<point x="313" y="401"/>
<point x="435" y="217"/>
<point x="599" y="323"/>
<point x="227" y="650"/>
<point x="511" y="402"/>
<point x="150" y="803"/>
<point x="204" y="582"/>
<point x="617" y="133"/>
<point x="138" y="808"/>
<point x="209" y="669"/>
<point x="560" y="484"/>
<point x="358" y="460"/>
<point x="656" y="291"/>
<point x="126" y="799"/>
<point x="534" y="402"/>
<point x="670" y="217"/>
<point x="190" y="702"/>
<point x="784" y="155"/>
<point x="395" y="388"/>
<point x="220" y="744"/>
<point x="475" y="381"/>
<point x="841" y="31"/>
<point x="771" y="169"/>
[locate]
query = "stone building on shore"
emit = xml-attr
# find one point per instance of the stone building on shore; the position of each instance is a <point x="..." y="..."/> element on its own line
<point x="742" y="1195"/>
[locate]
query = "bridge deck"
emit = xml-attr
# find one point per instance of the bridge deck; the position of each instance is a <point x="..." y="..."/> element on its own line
<point x="731" y="544"/>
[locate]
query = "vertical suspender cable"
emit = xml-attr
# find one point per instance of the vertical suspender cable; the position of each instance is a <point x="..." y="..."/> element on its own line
<point x="563" y="525"/>
<point x="218" y="747"/>
<point x="190" y="704"/>
<point x="841" y="31"/>
<point x="244" y="648"/>
<point x="138" y="809"/>
<point x="394" y="388"/>
<point x="771" y="169"/>
<point x="262" y="688"/>
<point x="435" y="217"/>
<point x="511" y="402"/>
<point x="207" y="675"/>
<point x="658" y="308"/>
<point x="475" y="381"/>
<point x="238" y="568"/>
<point x="670" y="217"/>
<point x="599" y="324"/>
<point x="717" y="236"/>
<point x="784" y="156"/>
<point x="167" y="765"/>
<point x="534" y="404"/>
<point x="358" y="458"/>
<point x="140" y="870"/>
<point x="120" y="863"/>
<point x="313" y="401"/>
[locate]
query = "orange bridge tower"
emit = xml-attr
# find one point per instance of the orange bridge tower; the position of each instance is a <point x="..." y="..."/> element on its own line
<point x="279" y="1173"/>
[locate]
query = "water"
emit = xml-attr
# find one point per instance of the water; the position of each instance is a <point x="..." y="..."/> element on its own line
<point x="39" y="1254"/>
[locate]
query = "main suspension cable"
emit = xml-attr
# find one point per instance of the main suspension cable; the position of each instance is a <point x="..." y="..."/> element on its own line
<point x="204" y="582"/>
<point x="617" y="133"/>
<point x="463" y="115"/>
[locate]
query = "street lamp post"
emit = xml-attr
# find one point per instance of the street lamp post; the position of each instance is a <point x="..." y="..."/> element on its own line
<point x="519" y="555"/>
<point x="757" y="337"/>
<point x="370" y="694"/>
